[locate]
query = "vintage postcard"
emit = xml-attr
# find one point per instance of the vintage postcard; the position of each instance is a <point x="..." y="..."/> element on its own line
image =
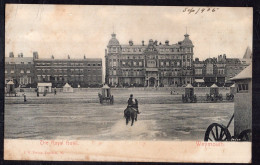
<point x="128" y="83"/>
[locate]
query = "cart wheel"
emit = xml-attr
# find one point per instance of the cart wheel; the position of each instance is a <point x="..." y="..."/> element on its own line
<point x="245" y="135"/>
<point x="217" y="132"/>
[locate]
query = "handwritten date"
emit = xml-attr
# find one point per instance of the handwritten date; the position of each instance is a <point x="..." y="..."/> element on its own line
<point x="199" y="10"/>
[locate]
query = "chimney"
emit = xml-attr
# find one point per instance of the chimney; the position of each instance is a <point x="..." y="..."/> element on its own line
<point x="68" y="56"/>
<point x="21" y="55"/>
<point x="160" y="43"/>
<point x="84" y="56"/>
<point x="156" y="42"/>
<point x="35" y="55"/>
<point x="11" y="54"/>
<point x="131" y="43"/>
<point x="52" y="57"/>
<point x="167" y="43"/>
<point x="143" y="42"/>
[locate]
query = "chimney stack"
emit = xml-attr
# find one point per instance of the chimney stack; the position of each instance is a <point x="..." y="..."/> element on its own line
<point x="167" y="43"/>
<point x="84" y="56"/>
<point x="11" y="54"/>
<point x="35" y="55"/>
<point x="52" y="57"/>
<point x="131" y="43"/>
<point x="156" y="42"/>
<point x="68" y="56"/>
<point x="143" y="42"/>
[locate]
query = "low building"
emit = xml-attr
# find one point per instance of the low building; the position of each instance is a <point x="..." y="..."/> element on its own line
<point x="20" y="70"/>
<point x="243" y="101"/>
<point x="208" y="72"/>
<point x="86" y="72"/>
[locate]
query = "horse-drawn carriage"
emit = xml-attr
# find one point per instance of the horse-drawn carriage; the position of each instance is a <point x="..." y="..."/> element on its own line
<point x="214" y="94"/>
<point x="230" y="95"/>
<point x="242" y="112"/>
<point x="189" y="95"/>
<point x="106" y="95"/>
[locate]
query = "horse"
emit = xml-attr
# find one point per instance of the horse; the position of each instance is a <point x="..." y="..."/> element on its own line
<point x="130" y="112"/>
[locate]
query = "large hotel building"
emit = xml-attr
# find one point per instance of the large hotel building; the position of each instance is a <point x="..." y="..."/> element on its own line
<point x="165" y="64"/>
<point x="152" y="64"/>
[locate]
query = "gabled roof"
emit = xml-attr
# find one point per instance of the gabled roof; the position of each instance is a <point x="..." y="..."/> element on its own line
<point x="105" y="87"/>
<point x="10" y="83"/>
<point x="248" y="53"/>
<point x="214" y="86"/>
<point x="67" y="85"/>
<point x="244" y="74"/>
<point x="189" y="86"/>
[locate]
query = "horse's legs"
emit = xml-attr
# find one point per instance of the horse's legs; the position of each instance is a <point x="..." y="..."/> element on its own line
<point x="132" y="117"/>
<point x="126" y="120"/>
<point x="136" y="117"/>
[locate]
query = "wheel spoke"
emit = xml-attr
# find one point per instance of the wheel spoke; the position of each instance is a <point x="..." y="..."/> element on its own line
<point x="216" y="132"/>
<point x="210" y="139"/>
<point x="221" y="134"/>
<point x="212" y="132"/>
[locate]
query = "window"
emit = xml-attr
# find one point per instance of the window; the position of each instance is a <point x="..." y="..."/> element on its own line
<point x="161" y="63"/>
<point x="220" y="71"/>
<point x="242" y="88"/>
<point x="167" y="63"/>
<point x="140" y="63"/>
<point x="12" y="71"/>
<point x="5" y="71"/>
<point x="198" y="71"/>
<point x="94" y="64"/>
<point x="123" y="63"/>
<point x="134" y="63"/>
<point x="114" y="72"/>
<point x="209" y="68"/>
<point x="114" y="63"/>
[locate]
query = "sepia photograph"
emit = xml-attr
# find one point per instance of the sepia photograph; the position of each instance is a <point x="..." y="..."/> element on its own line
<point x="128" y="83"/>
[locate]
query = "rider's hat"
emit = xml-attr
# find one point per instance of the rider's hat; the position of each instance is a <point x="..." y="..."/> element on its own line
<point x="131" y="95"/>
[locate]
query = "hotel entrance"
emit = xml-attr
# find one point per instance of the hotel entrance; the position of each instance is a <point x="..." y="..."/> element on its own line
<point x="152" y="82"/>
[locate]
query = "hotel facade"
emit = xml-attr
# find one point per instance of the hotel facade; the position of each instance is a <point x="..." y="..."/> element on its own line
<point x="152" y="64"/>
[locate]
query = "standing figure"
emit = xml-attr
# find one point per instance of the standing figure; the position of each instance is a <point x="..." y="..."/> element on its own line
<point x="24" y="97"/>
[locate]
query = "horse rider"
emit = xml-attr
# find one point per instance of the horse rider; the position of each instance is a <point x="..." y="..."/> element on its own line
<point x="133" y="103"/>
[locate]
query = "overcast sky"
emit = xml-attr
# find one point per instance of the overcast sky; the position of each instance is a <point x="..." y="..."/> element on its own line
<point x="77" y="30"/>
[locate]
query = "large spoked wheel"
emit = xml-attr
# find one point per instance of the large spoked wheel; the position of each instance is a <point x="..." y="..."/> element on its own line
<point x="245" y="135"/>
<point x="217" y="132"/>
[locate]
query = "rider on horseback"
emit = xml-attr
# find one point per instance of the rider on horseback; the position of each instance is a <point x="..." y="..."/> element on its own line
<point x="133" y="103"/>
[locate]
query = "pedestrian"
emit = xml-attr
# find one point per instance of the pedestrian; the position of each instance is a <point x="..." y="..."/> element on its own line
<point x="55" y="92"/>
<point x="24" y="97"/>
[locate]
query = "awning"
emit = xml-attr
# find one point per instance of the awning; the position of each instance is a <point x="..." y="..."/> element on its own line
<point x="199" y="80"/>
<point x="44" y="84"/>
